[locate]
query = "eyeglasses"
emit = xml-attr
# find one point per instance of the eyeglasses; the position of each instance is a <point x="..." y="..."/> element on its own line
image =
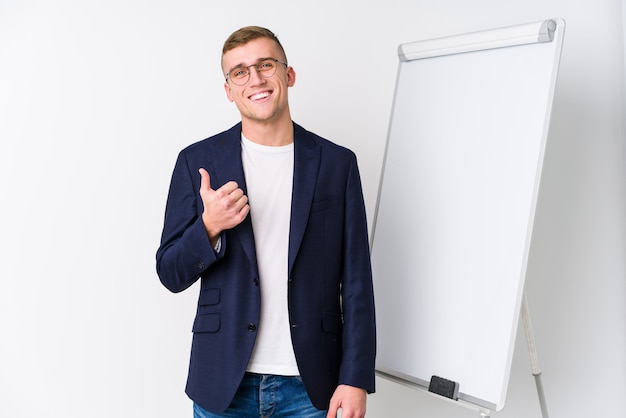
<point x="241" y="74"/>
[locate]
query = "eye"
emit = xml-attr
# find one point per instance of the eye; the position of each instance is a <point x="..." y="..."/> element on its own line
<point x="238" y="72"/>
<point x="267" y="65"/>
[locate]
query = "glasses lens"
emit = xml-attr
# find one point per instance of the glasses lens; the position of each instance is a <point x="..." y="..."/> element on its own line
<point x="239" y="75"/>
<point x="266" y="68"/>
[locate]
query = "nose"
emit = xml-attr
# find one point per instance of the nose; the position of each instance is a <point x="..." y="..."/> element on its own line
<point x="255" y="76"/>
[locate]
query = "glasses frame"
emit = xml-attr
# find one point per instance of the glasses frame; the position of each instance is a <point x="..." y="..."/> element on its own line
<point x="258" y="70"/>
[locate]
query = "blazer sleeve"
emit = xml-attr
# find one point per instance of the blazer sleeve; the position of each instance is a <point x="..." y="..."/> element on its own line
<point x="185" y="251"/>
<point x="359" y="332"/>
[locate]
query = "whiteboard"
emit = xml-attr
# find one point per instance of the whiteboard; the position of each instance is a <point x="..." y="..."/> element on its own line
<point x="456" y="203"/>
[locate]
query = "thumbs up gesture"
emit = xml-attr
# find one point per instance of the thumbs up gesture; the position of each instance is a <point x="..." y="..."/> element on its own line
<point x="224" y="208"/>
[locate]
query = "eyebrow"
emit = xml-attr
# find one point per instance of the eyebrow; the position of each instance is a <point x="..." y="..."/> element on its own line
<point x="241" y="64"/>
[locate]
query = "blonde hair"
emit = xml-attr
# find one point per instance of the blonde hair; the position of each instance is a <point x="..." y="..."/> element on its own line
<point x="248" y="33"/>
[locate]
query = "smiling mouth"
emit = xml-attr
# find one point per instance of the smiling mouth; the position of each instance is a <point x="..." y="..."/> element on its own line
<point x="260" y="96"/>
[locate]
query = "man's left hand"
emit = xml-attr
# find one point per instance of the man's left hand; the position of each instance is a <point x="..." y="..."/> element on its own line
<point x="350" y="399"/>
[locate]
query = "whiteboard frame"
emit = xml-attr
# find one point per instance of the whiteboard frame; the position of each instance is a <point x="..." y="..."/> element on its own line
<point x="550" y="30"/>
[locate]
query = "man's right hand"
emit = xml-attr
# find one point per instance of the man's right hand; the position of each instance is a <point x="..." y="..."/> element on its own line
<point x="224" y="208"/>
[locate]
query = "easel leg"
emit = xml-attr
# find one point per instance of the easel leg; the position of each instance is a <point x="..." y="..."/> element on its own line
<point x="534" y="360"/>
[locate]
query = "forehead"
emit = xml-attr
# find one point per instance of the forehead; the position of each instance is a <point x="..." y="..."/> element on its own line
<point x="250" y="53"/>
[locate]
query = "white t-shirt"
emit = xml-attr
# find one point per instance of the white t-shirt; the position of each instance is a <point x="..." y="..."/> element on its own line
<point x="269" y="180"/>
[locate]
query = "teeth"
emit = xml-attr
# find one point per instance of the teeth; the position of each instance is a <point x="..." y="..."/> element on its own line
<point x="259" y="95"/>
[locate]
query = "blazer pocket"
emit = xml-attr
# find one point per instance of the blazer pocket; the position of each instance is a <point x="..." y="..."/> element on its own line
<point x="209" y="297"/>
<point x="322" y="205"/>
<point x="207" y="323"/>
<point x="332" y="322"/>
<point x="207" y="300"/>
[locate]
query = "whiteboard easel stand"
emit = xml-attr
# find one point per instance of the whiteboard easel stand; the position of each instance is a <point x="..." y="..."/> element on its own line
<point x="534" y="360"/>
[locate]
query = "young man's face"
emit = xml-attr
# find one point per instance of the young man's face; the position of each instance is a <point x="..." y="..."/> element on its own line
<point x="259" y="100"/>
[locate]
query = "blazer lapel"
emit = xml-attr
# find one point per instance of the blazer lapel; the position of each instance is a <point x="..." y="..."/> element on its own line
<point x="306" y="167"/>
<point x="228" y="167"/>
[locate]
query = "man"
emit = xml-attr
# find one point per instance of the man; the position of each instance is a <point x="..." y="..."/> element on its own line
<point x="271" y="219"/>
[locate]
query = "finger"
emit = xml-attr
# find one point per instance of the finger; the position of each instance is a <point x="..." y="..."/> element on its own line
<point x="236" y="195"/>
<point x="241" y="205"/>
<point x="226" y="189"/>
<point x="241" y="214"/>
<point x="332" y="410"/>
<point x="244" y="211"/>
<point x="235" y="201"/>
<point x="205" y="179"/>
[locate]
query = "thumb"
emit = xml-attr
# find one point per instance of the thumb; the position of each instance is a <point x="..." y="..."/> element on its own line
<point x="205" y="179"/>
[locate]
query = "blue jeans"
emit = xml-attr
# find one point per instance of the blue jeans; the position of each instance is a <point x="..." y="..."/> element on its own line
<point x="262" y="396"/>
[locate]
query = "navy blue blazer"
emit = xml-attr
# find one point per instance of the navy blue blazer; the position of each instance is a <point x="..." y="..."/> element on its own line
<point x="330" y="296"/>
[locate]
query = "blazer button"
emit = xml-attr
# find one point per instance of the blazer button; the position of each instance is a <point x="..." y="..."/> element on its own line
<point x="251" y="327"/>
<point x="201" y="265"/>
<point x="255" y="281"/>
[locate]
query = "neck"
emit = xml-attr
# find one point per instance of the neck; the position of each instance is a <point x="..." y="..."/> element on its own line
<point x="270" y="134"/>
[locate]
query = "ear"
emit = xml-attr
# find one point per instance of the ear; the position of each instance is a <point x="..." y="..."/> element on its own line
<point x="291" y="77"/>
<point x="229" y="93"/>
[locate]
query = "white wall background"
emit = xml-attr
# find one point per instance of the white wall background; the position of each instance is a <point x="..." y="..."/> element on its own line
<point x="97" y="98"/>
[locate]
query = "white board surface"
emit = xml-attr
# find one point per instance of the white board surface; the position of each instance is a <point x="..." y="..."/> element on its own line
<point x="455" y="212"/>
